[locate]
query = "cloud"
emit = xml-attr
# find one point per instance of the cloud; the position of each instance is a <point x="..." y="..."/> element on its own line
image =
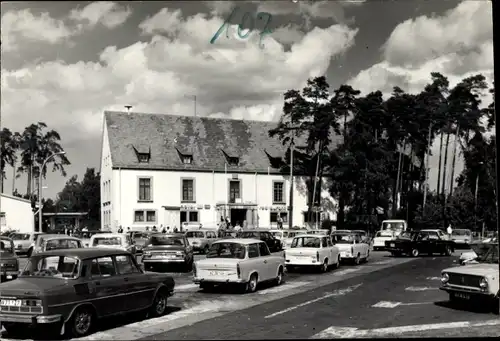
<point x="457" y="44"/>
<point x="288" y="34"/>
<point x="109" y="14"/>
<point x="32" y="27"/>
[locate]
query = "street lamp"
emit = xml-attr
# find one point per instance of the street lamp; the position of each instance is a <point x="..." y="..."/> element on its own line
<point x="40" y="189"/>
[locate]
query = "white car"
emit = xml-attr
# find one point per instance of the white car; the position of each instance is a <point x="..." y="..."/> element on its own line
<point x="380" y="239"/>
<point x="244" y="262"/>
<point x="351" y="246"/>
<point x="312" y="250"/>
<point x="119" y="241"/>
<point x="287" y="242"/>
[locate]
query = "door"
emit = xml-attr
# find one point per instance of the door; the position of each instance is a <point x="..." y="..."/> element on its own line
<point x="269" y="268"/>
<point x="106" y="286"/>
<point x="136" y="287"/>
<point x="422" y="243"/>
<point x="254" y="262"/>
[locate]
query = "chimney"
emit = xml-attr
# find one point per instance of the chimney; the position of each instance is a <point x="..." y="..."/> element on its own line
<point x="128" y="107"/>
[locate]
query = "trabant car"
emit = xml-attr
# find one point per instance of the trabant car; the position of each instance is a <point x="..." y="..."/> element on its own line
<point x="380" y="239"/>
<point x="351" y="246"/>
<point x="140" y="238"/>
<point x="312" y="250"/>
<point x="474" y="283"/>
<point x="9" y="264"/>
<point x="168" y="249"/>
<point x="51" y="242"/>
<point x="69" y="289"/>
<point x="286" y="242"/>
<point x="119" y="241"/>
<point x="272" y="243"/>
<point x="461" y="237"/>
<point x="244" y="262"/>
<point x="201" y="239"/>
<point x="419" y="242"/>
<point x="24" y="242"/>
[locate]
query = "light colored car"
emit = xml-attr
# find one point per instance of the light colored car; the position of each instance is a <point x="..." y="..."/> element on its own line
<point x="140" y="239"/>
<point x="201" y="239"/>
<point x="58" y="242"/>
<point x="461" y="237"/>
<point x="474" y="283"/>
<point x="379" y="241"/>
<point x="85" y="236"/>
<point x="287" y="242"/>
<point x="119" y="241"/>
<point x="351" y="246"/>
<point x="312" y="250"/>
<point x="24" y="242"/>
<point x="244" y="262"/>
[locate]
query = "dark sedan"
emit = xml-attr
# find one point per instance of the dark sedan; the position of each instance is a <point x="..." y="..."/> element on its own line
<point x="168" y="249"/>
<point x="266" y="236"/>
<point x="68" y="290"/>
<point x="420" y="242"/>
<point x="9" y="264"/>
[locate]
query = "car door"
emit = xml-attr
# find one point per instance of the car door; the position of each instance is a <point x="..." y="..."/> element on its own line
<point x="253" y="263"/>
<point x="106" y="286"/>
<point x="136" y="287"/>
<point x="422" y="242"/>
<point x="268" y="266"/>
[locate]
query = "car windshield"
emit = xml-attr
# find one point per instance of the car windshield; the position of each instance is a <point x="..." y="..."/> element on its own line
<point x="107" y="241"/>
<point x="491" y="255"/>
<point x="343" y="238"/>
<point x="392" y="226"/>
<point x="59" y="244"/>
<point x="460" y="233"/>
<point x="227" y="250"/>
<point x="306" y="242"/>
<point x="195" y="234"/>
<point x="52" y="267"/>
<point x="6" y="246"/>
<point x="20" y="236"/>
<point x="166" y="240"/>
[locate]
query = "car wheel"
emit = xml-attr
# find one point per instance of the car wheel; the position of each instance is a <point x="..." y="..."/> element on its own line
<point x="279" y="277"/>
<point x="415" y="253"/>
<point x="82" y="322"/>
<point x="159" y="303"/>
<point x="357" y="260"/>
<point x="324" y="266"/>
<point x="252" y="284"/>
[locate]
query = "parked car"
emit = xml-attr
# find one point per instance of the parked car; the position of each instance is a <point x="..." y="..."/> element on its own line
<point x="9" y="264"/>
<point x="419" y="242"/>
<point x="201" y="239"/>
<point x="279" y="234"/>
<point x="474" y="283"/>
<point x="58" y="242"/>
<point x="163" y="249"/>
<point x="351" y="245"/>
<point x="24" y="242"/>
<point x="119" y="241"/>
<point x="461" y="237"/>
<point x="312" y="251"/>
<point x="379" y="241"/>
<point x="86" y="235"/>
<point x="287" y="242"/>
<point x="225" y="234"/>
<point x="272" y="243"/>
<point x="140" y="239"/>
<point x="71" y="289"/>
<point x="244" y="262"/>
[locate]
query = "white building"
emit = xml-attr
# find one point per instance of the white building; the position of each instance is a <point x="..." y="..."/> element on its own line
<point x="16" y="214"/>
<point x="165" y="170"/>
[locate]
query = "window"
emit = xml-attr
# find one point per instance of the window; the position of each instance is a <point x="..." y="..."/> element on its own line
<point x="143" y="157"/>
<point x="125" y="265"/>
<point x="264" y="251"/>
<point x="188" y="190"/>
<point x="193" y="216"/>
<point x="187" y="159"/>
<point x="233" y="161"/>
<point x="151" y="216"/>
<point x="234" y="190"/>
<point x="138" y="216"/>
<point x="274" y="217"/>
<point x="145" y="189"/>
<point x="253" y="251"/>
<point x="102" y="266"/>
<point x="278" y="197"/>
<point x="324" y="243"/>
<point x="189" y="217"/>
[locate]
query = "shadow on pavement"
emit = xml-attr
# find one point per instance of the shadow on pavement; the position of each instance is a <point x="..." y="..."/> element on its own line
<point x="465" y="306"/>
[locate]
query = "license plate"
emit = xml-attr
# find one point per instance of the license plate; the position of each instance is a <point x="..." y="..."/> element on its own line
<point x="217" y="273"/>
<point x="462" y="296"/>
<point x="393" y="245"/>
<point x="11" y="303"/>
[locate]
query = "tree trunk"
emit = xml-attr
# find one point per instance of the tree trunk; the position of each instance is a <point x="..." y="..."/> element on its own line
<point x="439" y="168"/>
<point x="445" y="164"/>
<point x="2" y="178"/>
<point x="457" y="136"/>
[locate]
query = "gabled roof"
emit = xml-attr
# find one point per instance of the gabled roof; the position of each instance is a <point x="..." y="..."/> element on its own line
<point x="206" y="138"/>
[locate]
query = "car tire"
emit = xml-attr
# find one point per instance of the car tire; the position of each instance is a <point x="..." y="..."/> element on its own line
<point x="324" y="266"/>
<point x="251" y="285"/>
<point x="279" y="277"/>
<point x="82" y="322"/>
<point x="415" y="252"/>
<point x="159" y="305"/>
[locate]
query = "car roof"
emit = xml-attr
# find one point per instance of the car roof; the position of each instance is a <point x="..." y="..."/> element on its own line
<point x="430" y="230"/>
<point x="58" y="236"/>
<point x="84" y="253"/>
<point x="203" y="229"/>
<point x="178" y="235"/>
<point x="256" y="230"/>
<point x="108" y="235"/>
<point x="310" y="235"/>
<point x="54" y="235"/>
<point x="245" y="241"/>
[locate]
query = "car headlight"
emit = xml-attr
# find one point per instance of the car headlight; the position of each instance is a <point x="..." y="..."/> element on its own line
<point x="445" y="278"/>
<point x="483" y="284"/>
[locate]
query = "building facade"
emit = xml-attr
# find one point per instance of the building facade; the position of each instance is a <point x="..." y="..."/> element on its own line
<point x="174" y="170"/>
<point x="16" y="214"/>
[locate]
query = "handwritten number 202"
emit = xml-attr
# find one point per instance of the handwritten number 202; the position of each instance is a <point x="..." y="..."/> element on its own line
<point x="227" y="24"/>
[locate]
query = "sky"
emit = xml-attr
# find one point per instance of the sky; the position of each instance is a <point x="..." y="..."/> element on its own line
<point x="65" y="63"/>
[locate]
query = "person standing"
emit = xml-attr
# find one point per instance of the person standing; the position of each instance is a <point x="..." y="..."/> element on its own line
<point x="280" y="223"/>
<point x="449" y="230"/>
<point x="120" y="229"/>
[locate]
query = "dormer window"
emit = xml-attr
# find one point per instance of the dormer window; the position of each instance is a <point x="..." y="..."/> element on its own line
<point x="143" y="158"/>
<point x="275" y="161"/>
<point x="231" y="160"/>
<point x="186" y="155"/>
<point x="143" y="153"/>
<point x="187" y="159"/>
